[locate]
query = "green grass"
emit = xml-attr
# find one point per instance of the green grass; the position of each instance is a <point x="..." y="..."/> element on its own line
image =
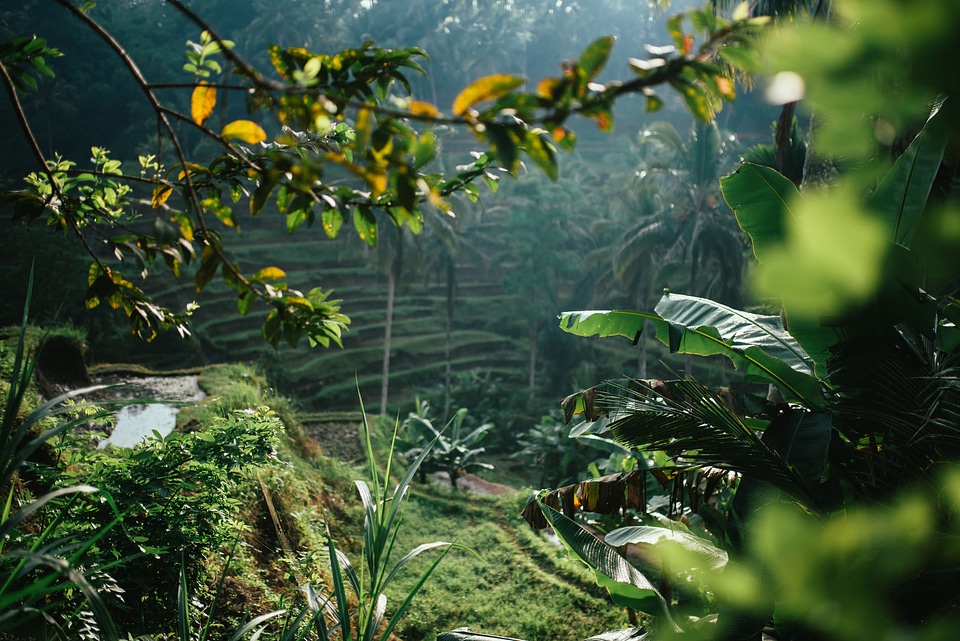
<point x="520" y="586"/>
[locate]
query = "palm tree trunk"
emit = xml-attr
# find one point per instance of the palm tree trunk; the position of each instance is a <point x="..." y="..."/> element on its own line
<point x="642" y="359"/>
<point x="448" y="348"/>
<point x="394" y="275"/>
<point x="643" y="350"/>
<point x="532" y="382"/>
<point x="387" y="336"/>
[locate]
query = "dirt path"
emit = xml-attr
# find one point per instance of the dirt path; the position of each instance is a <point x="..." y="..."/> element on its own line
<point x="473" y="484"/>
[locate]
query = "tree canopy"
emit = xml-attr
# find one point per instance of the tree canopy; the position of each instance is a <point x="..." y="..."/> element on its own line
<point x="329" y="136"/>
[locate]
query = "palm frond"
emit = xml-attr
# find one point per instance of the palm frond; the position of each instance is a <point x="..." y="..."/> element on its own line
<point x="695" y="425"/>
<point x="897" y="405"/>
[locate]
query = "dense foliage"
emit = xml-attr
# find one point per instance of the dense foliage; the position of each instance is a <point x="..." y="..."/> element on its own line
<point x="147" y="249"/>
<point x="726" y="486"/>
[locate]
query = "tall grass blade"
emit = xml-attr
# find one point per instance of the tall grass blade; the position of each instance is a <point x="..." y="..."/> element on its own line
<point x="183" y="606"/>
<point x="258" y="624"/>
<point x="379" y="608"/>
<point x="6" y="528"/>
<point x="94" y="600"/>
<point x="19" y="379"/>
<point x="339" y="593"/>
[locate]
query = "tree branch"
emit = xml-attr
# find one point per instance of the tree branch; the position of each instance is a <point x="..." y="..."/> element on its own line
<point x="25" y="127"/>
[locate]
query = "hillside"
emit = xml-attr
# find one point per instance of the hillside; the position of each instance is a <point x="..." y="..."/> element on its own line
<point x="504" y="579"/>
<point x="517" y="584"/>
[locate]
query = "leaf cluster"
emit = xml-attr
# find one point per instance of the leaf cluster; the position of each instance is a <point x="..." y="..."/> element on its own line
<point x="23" y="57"/>
<point x="329" y="116"/>
<point x="177" y="496"/>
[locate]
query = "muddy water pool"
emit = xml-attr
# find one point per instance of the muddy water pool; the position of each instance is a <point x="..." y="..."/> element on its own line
<point x="164" y="395"/>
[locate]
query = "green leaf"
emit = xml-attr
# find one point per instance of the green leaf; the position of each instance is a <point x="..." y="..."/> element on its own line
<point x="740" y="57"/>
<point x="407" y="191"/>
<point x="695" y="97"/>
<point x="486" y="88"/>
<point x="504" y="145"/>
<point x="763" y="201"/>
<point x="714" y="557"/>
<point x="541" y="150"/>
<point x="704" y="21"/>
<point x="271" y="328"/>
<point x="595" y="57"/>
<point x="209" y="262"/>
<point x="760" y="198"/>
<point x="902" y="194"/>
<point x="332" y="220"/>
<point x="627" y="586"/>
<point x="268" y="180"/>
<point x="690" y="325"/>
<point x="245" y="301"/>
<point x="654" y="102"/>
<point x="744" y="329"/>
<point x="296" y="218"/>
<point x="366" y="225"/>
<point x="424" y="150"/>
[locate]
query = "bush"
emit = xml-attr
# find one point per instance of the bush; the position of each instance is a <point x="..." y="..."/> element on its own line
<point x="177" y="497"/>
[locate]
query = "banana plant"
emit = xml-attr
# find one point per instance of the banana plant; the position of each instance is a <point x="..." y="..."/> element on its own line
<point x="450" y="451"/>
<point x="868" y="386"/>
<point x="794" y="351"/>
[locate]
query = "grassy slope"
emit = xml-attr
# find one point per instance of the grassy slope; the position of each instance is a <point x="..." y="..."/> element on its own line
<point x="521" y="586"/>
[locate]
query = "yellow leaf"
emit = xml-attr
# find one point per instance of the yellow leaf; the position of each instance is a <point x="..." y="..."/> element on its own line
<point x="245" y="130"/>
<point x="742" y="12"/>
<point x="486" y="88"/>
<point x="725" y="86"/>
<point x="269" y="273"/>
<point x="421" y="108"/>
<point x="202" y="103"/>
<point x="192" y="168"/>
<point x="377" y="182"/>
<point x="551" y="88"/>
<point x="160" y="195"/>
<point x="186" y="226"/>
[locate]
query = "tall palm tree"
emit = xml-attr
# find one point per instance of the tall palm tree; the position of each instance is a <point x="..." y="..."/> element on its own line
<point x="398" y="257"/>
<point x="440" y="246"/>
<point x="545" y="235"/>
<point x="686" y="174"/>
<point x="671" y="226"/>
<point x="640" y="259"/>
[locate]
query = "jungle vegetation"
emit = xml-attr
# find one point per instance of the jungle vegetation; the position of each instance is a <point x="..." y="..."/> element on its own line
<point x="767" y="450"/>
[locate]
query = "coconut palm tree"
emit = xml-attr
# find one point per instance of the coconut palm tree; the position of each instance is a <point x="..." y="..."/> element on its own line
<point x="686" y="174"/>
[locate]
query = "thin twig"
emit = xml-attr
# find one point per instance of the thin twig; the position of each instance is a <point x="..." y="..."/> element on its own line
<point x="25" y="127"/>
<point x="162" y="112"/>
<point x="246" y="69"/>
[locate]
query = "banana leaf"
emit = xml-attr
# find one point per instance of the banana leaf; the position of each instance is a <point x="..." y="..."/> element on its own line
<point x="627" y="586"/>
<point x="755" y="343"/>
<point x="901" y="196"/>
<point x="708" y="554"/>
<point x="761" y="200"/>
